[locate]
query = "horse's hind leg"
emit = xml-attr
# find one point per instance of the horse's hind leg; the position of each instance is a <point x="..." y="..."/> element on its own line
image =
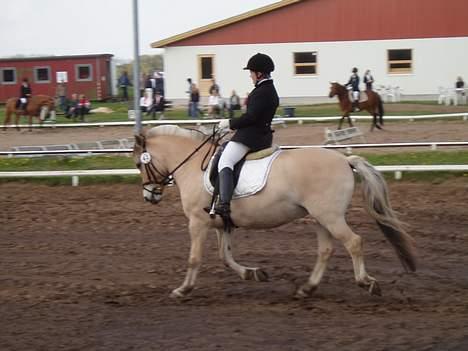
<point x="353" y="243"/>
<point x="198" y="232"/>
<point x="225" y="253"/>
<point x="325" y="250"/>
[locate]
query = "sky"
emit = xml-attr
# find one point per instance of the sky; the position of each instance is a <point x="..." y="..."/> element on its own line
<point x="64" y="27"/>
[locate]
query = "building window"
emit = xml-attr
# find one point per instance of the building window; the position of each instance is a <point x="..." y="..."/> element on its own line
<point x="8" y="76"/>
<point x="83" y="72"/>
<point x="42" y="74"/>
<point x="400" y="61"/>
<point x="305" y="63"/>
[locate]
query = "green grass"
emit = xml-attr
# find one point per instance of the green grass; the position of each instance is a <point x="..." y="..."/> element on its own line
<point x="115" y="162"/>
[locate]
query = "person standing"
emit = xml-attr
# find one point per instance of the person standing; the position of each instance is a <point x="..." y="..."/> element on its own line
<point x="252" y="129"/>
<point x="189" y="92"/>
<point x="25" y="93"/>
<point x="353" y="83"/>
<point x="234" y="103"/>
<point x="194" y="100"/>
<point x="61" y="93"/>
<point x="124" y="83"/>
<point x="368" y="80"/>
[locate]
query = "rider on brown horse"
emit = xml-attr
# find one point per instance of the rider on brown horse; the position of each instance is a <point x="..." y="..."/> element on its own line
<point x="354" y="84"/>
<point x="25" y="94"/>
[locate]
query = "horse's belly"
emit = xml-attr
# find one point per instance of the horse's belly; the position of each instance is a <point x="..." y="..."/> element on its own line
<point x="266" y="217"/>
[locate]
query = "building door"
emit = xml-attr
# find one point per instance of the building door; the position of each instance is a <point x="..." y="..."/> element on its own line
<point x="205" y="73"/>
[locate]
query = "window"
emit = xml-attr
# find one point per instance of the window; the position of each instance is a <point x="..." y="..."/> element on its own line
<point x="305" y="63"/>
<point x="400" y="61"/>
<point x="83" y="72"/>
<point x="8" y="76"/>
<point x="206" y="67"/>
<point x="42" y="74"/>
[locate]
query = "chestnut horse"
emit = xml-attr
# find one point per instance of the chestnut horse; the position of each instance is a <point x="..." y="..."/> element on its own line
<point x="373" y="105"/>
<point x="315" y="182"/>
<point x="38" y="106"/>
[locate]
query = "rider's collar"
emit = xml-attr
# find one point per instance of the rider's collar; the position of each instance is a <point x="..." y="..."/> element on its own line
<point x="261" y="81"/>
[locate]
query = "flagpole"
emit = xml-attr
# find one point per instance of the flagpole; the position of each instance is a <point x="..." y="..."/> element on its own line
<point x="136" y="70"/>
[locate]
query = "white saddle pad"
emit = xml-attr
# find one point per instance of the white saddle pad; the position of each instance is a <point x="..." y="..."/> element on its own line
<point x="253" y="176"/>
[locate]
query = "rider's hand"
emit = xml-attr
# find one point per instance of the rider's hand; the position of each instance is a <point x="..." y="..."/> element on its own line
<point x="224" y="124"/>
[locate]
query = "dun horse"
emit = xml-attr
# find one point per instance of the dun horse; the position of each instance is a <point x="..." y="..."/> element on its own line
<point x="38" y="106"/>
<point x="315" y="182"/>
<point x="373" y="105"/>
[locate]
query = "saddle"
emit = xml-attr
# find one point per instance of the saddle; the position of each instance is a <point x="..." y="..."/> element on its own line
<point x="251" y="156"/>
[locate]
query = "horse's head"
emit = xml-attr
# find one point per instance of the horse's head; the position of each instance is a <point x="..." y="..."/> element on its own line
<point x="153" y="179"/>
<point x="333" y="89"/>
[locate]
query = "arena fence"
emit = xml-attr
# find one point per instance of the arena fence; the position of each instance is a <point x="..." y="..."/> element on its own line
<point x="100" y="149"/>
<point x="75" y="174"/>
<point x="276" y="120"/>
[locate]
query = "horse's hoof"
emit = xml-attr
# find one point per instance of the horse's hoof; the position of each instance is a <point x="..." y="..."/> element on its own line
<point x="256" y="274"/>
<point x="304" y="291"/>
<point x="180" y="293"/>
<point x="260" y="275"/>
<point x="374" y="288"/>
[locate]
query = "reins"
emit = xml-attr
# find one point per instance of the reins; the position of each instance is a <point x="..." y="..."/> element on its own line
<point x="151" y="169"/>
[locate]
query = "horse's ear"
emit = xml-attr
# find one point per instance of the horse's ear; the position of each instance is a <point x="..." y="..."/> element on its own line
<point x="139" y="139"/>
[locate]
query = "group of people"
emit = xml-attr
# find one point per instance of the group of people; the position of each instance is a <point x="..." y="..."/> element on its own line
<point x="76" y="107"/>
<point x="216" y="104"/>
<point x="152" y="102"/>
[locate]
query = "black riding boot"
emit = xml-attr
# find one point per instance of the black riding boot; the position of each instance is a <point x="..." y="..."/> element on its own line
<point x="356" y="106"/>
<point x="226" y="189"/>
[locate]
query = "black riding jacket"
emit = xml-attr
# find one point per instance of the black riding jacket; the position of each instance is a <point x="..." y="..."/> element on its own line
<point x="253" y="128"/>
<point x="25" y="91"/>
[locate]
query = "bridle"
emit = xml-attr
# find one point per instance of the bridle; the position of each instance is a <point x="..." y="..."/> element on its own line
<point x="153" y="172"/>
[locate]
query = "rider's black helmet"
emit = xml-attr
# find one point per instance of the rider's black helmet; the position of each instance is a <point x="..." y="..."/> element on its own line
<point x="354" y="70"/>
<point x="260" y="63"/>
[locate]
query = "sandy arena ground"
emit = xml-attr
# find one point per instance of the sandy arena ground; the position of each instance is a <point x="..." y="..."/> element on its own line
<point x="91" y="267"/>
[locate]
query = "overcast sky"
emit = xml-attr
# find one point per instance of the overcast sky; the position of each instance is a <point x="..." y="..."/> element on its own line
<point x="63" y="27"/>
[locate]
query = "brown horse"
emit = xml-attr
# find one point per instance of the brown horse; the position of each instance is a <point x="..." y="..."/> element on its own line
<point x="373" y="105"/>
<point x="38" y="106"/>
<point x="315" y="182"/>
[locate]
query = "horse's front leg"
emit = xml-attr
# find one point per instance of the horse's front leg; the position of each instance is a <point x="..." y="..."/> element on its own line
<point x="225" y="253"/>
<point x="198" y="232"/>
<point x="30" y="122"/>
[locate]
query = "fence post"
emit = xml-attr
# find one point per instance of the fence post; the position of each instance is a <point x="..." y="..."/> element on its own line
<point x="398" y="175"/>
<point x="75" y="180"/>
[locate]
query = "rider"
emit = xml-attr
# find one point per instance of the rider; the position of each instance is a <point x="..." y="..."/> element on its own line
<point x="253" y="128"/>
<point x="25" y="93"/>
<point x="354" y="84"/>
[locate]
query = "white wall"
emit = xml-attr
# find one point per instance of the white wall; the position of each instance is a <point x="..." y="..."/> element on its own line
<point x="436" y="62"/>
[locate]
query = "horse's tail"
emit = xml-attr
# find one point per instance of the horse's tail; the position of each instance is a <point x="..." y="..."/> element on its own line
<point x="377" y="203"/>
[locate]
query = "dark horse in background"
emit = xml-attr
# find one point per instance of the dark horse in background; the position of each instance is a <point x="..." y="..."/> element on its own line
<point x="373" y="105"/>
<point x="39" y="106"/>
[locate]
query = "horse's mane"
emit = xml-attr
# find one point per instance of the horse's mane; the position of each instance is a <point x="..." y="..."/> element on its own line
<point x="169" y="129"/>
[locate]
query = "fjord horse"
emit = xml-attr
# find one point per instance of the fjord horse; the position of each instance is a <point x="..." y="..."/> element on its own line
<point x="38" y="106"/>
<point x="315" y="182"/>
<point x="373" y="105"/>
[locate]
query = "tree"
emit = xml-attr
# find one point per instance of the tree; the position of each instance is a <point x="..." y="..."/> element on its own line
<point x="148" y="65"/>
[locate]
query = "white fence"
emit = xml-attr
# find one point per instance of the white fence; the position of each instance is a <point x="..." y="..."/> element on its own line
<point x="277" y="119"/>
<point x="398" y="170"/>
<point x="433" y="145"/>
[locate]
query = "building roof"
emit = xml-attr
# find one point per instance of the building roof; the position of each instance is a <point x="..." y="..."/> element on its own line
<point x="48" y="58"/>
<point x="223" y="23"/>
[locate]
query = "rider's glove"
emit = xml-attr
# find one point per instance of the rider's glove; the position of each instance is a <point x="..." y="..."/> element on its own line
<point x="224" y="124"/>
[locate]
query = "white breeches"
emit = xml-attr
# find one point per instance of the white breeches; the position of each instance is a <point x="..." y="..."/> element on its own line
<point x="233" y="153"/>
<point x="356" y="95"/>
<point x="23" y="100"/>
